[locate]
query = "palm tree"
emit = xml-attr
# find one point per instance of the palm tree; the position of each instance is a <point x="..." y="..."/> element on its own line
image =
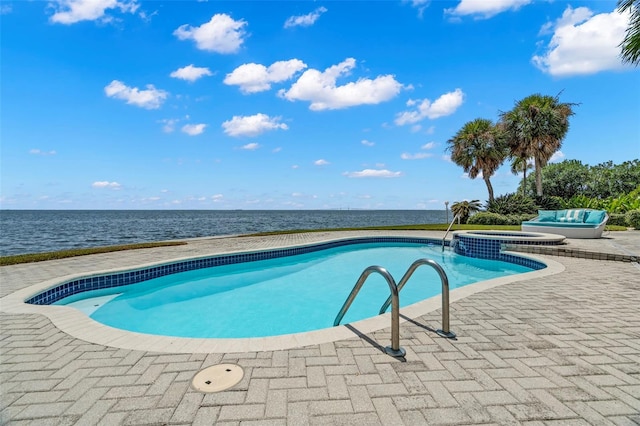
<point x="479" y="148"/>
<point x="535" y="128"/>
<point x="631" y="43"/>
<point x="521" y="165"/>
<point x="463" y="209"/>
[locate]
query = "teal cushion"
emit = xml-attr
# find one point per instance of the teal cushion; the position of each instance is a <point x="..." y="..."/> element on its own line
<point x="572" y="216"/>
<point x="595" y="216"/>
<point x="546" y="215"/>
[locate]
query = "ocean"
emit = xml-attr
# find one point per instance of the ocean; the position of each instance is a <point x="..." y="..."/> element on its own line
<point x="38" y="231"/>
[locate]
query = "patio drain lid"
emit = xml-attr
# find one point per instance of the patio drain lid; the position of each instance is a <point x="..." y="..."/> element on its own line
<point x="217" y="378"/>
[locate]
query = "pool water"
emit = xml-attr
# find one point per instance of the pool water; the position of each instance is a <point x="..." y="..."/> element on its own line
<point x="279" y="296"/>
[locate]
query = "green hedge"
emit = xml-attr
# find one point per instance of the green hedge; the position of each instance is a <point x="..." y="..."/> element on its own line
<point x="633" y="218"/>
<point x="619" y="219"/>
<point x="488" y="218"/>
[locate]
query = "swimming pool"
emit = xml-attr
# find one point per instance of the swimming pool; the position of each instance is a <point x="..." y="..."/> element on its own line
<point x="289" y="294"/>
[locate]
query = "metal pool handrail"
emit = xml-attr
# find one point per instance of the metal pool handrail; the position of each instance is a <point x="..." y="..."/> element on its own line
<point x="444" y="332"/>
<point x="449" y="229"/>
<point x="394" y="349"/>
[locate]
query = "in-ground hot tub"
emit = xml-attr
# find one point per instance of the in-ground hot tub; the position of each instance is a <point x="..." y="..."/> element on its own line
<point x="488" y="244"/>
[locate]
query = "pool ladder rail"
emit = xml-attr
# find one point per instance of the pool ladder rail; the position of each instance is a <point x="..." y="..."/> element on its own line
<point x="394" y="300"/>
<point x="449" y="229"/>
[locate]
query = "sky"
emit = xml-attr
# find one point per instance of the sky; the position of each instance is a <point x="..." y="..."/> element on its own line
<point x="129" y="104"/>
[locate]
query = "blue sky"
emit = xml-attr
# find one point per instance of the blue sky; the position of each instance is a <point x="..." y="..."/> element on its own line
<point x="125" y="104"/>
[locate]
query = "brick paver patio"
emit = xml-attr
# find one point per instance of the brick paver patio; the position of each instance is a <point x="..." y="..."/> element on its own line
<point x="563" y="349"/>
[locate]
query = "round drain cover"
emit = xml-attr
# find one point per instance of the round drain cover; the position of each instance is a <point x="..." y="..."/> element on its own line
<point x="217" y="378"/>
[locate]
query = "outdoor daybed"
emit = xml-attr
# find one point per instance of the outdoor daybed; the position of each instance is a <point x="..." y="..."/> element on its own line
<point x="574" y="223"/>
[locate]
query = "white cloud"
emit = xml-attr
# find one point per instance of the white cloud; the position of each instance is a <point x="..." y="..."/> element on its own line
<point x="421" y="5"/>
<point x="557" y="156"/>
<point x="72" y="11"/>
<point x="373" y="173"/>
<point x="193" y="129"/>
<point x="254" y="78"/>
<point x="445" y="105"/>
<point x="583" y="43"/>
<point x="321" y="90"/>
<point x="305" y="20"/>
<point x="485" y="8"/>
<point x="6" y="9"/>
<point x="190" y="73"/>
<point x="252" y="125"/>
<point x="321" y="162"/>
<point x="151" y="98"/>
<point x="40" y="152"/>
<point x="418" y="156"/>
<point x="367" y="143"/>
<point x="217" y="198"/>
<point x="250" y="146"/>
<point x="168" y="124"/>
<point x="429" y="145"/>
<point x="221" y="34"/>
<point x="106" y="184"/>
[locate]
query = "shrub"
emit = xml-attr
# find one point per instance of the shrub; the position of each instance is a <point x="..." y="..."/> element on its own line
<point x="619" y="219"/>
<point x="512" y="204"/>
<point x="550" y="203"/>
<point x="633" y="218"/>
<point x="489" y="218"/>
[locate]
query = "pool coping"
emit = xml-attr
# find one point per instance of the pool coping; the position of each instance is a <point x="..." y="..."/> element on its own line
<point x="78" y="325"/>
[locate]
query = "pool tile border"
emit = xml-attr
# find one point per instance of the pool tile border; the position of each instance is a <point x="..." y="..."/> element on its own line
<point x="99" y="282"/>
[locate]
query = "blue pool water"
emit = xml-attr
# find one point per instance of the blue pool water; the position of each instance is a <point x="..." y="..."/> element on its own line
<point x="279" y="296"/>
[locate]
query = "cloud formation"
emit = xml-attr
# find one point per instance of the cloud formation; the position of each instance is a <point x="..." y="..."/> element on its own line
<point x="321" y="89"/>
<point x="151" y="98"/>
<point x="222" y="34"/>
<point x="193" y="129"/>
<point x="483" y="9"/>
<point x="373" y="173"/>
<point x="445" y="105"/>
<point x="36" y="151"/>
<point x="253" y="78"/>
<point x="583" y="43"/>
<point x="305" y="20"/>
<point x="250" y="146"/>
<point x="190" y="73"/>
<point x="321" y="162"/>
<point x="106" y="184"/>
<point x="252" y="125"/>
<point x="419" y="155"/>
<point x="71" y="11"/>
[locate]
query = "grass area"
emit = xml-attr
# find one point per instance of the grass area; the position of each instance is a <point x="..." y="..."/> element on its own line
<point x="424" y="227"/>
<point x="39" y="257"/>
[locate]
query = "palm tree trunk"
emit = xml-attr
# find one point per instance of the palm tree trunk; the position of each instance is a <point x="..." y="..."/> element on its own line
<point x="489" y="188"/>
<point x="524" y="179"/>
<point x="538" y="177"/>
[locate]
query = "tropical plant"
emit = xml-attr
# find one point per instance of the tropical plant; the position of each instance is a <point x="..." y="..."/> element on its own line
<point x="535" y="128"/>
<point x="550" y="203"/>
<point x="631" y="43"/>
<point x="521" y="165"/>
<point x="479" y="148"/>
<point x="464" y="209"/>
<point x="511" y="204"/>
